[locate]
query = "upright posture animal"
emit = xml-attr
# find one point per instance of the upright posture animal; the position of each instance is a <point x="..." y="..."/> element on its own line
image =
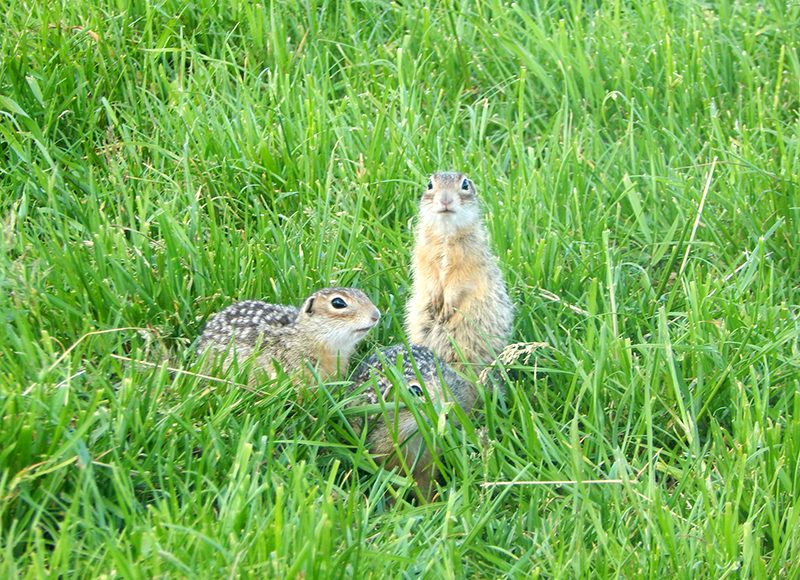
<point x="322" y="333"/>
<point x="458" y="298"/>
<point x="394" y="437"/>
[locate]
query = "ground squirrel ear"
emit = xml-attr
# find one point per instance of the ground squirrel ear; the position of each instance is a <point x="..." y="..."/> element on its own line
<point x="309" y="305"/>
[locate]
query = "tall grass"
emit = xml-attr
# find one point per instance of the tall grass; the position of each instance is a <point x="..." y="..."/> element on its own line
<point x="638" y="164"/>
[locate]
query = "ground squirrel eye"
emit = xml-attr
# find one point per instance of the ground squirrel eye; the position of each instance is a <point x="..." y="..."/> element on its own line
<point x="430" y="185"/>
<point x="465" y="185"/>
<point x="338" y="303"/>
<point x="415" y="390"/>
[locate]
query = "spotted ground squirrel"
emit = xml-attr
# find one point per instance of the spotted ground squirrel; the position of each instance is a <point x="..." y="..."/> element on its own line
<point x="393" y="436"/>
<point x="459" y="301"/>
<point x="322" y="333"/>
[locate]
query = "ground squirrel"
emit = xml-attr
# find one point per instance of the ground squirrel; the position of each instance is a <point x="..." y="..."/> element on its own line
<point x="323" y="332"/>
<point x="458" y="300"/>
<point x="393" y="437"/>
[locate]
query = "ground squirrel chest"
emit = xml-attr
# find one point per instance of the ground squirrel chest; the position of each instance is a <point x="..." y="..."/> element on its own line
<point x="322" y="333"/>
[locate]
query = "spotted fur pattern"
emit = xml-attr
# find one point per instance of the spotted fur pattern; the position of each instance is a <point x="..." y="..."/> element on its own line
<point x="247" y="322"/>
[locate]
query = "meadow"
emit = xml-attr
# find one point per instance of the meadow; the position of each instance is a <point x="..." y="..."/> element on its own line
<point x="638" y="164"/>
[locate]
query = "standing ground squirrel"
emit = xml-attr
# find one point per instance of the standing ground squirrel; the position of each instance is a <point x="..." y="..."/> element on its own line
<point x="323" y="332"/>
<point x="394" y="437"/>
<point x="458" y="295"/>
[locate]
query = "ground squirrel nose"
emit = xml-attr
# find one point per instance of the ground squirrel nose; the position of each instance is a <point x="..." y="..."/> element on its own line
<point x="376" y="315"/>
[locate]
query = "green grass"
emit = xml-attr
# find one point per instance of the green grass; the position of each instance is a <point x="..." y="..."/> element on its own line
<point x="638" y="163"/>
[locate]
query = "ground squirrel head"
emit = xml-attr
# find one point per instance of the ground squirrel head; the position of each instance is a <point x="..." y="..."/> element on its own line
<point x="338" y="318"/>
<point x="416" y="368"/>
<point x="449" y="203"/>
<point x="423" y="377"/>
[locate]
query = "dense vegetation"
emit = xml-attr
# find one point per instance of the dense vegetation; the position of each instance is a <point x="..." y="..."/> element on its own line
<point x="638" y="163"/>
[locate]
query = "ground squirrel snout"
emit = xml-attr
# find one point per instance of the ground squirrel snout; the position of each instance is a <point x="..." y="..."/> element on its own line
<point x="459" y="306"/>
<point x="323" y="332"/>
<point x="394" y="437"/>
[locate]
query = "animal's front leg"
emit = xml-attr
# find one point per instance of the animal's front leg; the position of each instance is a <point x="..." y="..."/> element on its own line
<point x="454" y="299"/>
<point x="435" y="298"/>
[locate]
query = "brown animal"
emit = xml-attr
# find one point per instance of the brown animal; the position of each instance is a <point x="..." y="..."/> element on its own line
<point x="393" y="436"/>
<point x="322" y="333"/>
<point x="459" y="302"/>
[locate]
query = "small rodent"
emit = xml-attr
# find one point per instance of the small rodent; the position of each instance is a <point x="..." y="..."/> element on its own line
<point x="458" y="295"/>
<point x="323" y="332"/>
<point x="394" y="436"/>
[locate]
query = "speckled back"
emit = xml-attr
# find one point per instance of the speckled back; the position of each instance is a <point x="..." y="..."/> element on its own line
<point x="245" y="322"/>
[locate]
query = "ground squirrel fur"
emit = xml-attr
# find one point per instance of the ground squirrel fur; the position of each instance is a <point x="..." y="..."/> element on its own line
<point x="322" y="333"/>
<point x="458" y="295"/>
<point x="393" y="436"/>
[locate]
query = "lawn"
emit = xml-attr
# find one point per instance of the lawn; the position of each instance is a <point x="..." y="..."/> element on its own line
<point x="639" y="169"/>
